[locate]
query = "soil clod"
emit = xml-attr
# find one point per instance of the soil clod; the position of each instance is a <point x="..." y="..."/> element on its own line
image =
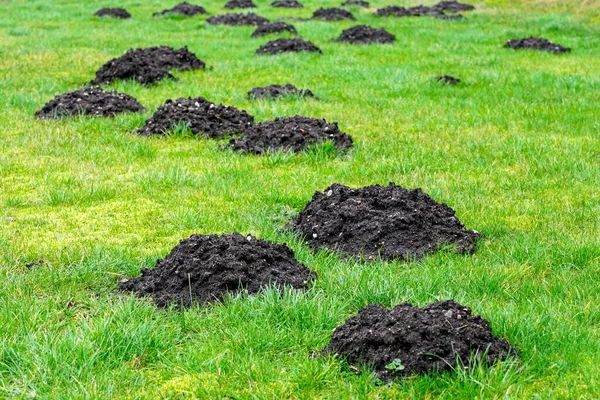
<point x="200" y="116"/>
<point x="364" y="34"/>
<point x="287" y="4"/>
<point x="273" y="91"/>
<point x="447" y="79"/>
<point x="148" y="65"/>
<point x="120" y="13"/>
<point x="332" y="14"/>
<point x="92" y="101"/>
<point x="359" y="3"/>
<point x="240" y="4"/>
<point x="184" y="8"/>
<point x="293" y="134"/>
<point x="452" y="6"/>
<point x="275" y="27"/>
<point x="536" y="44"/>
<point x="237" y="19"/>
<point x="408" y="340"/>
<point x="387" y="222"/>
<point x="204" y="268"/>
<point x="279" y="46"/>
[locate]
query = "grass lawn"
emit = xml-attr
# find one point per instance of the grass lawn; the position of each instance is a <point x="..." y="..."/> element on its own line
<point x="514" y="149"/>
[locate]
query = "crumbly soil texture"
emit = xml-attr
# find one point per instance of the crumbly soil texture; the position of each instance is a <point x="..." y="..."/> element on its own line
<point x="295" y="45"/>
<point x="452" y="6"/>
<point x="275" y="27"/>
<point x="120" y="13"/>
<point x="273" y="91"/>
<point x="147" y="65"/>
<point x="364" y="34"/>
<point x="240" y="4"/>
<point x="287" y="4"/>
<point x="447" y="79"/>
<point x="184" y="8"/>
<point x="92" y="101"/>
<point x="536" y="44"/>
<point x="355" y="3"/>
<point x="387" y="222"/>
<point x="408" y="340"/>
<point x="293" y="134"/>
<point x="204" y="268"/>
<point x="332" y="14"/>
<point x="200" y="116"/>
<point x="232" y="19"/>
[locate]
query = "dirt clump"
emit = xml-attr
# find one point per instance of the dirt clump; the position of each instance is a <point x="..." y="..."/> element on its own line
<point x="358" y="3"/>
<point x="290" y="134"/>
<point x="240" y="4"/>
<point x="417" y="11"/>
<point x="92" y="101"/>
<point x="408" y="340"/>
<point x="120" y="13"/>
<point x="449" y="17"/>
<point x="287" y="4"/>
<point x="364" y="34"/>
<point x="237" y="19"/>
<point x="148" y="65"/>
<point x="332" y="14"/>
<point x="273" y="91"/>
<point x="536" y="44"/>
<point x="279" y="46"/>
<point x="184" y="8"/>
<point x="200" y="116"/>
<point x="387" y="222"/>
<point x="452" y="6"/>
<point x="204" y="268"/>
<point x="447" y="79"/>
<point x="275" y="27"/>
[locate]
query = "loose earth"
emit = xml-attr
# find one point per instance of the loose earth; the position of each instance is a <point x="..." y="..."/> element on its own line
<point x="273" y="91"/>
<point x="286" y="46"/>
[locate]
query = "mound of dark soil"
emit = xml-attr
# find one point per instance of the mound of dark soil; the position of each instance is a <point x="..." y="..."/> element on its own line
<point x="237" y="19"/>
<point x="295" y="134"/>
<point x="184" y="8"/>
<point x="275" y="27"/>
<point x="447" y="79"/>
<point x="536" y="44"/>
<point x="365" y="34"/>
<point x="332" y="14"/>
<point x="452" y="6"/>
<point x="120" y="13"/>
<point x="287" y="45"/>
<point x="359" y="3"/>
<point x="91" y="101"/>
<point x="200" y="116"/>
<point x="204" y="268"/>
<point x="409" y="340"/>
<point x="395" y="11"/>
<point x="287" y="4"/>
<point x="388" y="222"/>
<point x="240" y="4"/>
<point x="273" y="91"/>
<point x="452" y="17"/>
<point x="148" y="65"/>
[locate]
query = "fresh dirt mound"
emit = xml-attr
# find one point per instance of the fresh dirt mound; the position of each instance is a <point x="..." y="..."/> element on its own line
<point x="90" y="101"/>
<point x="287" y="4"/>
<point x="359" y="3"/>
<point x="408" y="340"/>
<point x="120" y="13"/>
<point x="388" y="222"/>
<point x="237" y="19"/>
<point x="200" y="116"/>
<point x="148" y="65"/>
<point x="332" y="14"/>
<point x="447" y="79"/>
<point x="184" y="8"/>
<point x="240" y="4"/>
<point x="452" y="6"/>
<point x="365" y="34"/>
<point x="273" y="91"/>
<point x="275" y="27"/>
<point x="295" y="134"/>
<point x="536" y="44"/>
<point x="452" y="17"/>
<point x="204" y="268"/>
<point x="286" y="46"/>
<point x="395" y="11"/>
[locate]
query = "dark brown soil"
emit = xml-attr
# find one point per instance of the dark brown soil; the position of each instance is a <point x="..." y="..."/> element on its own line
<point x="90" y="101"/>
<point x="452" y="6"/>
<point x="201" y="116"/>
<point x="120" y="13"/>
<point x="286" y="46"/>
<point x="287" y="4"/>
<point x="275" y="27"/>
<point x="451" y="17"/>
<point x="447" y="79"/>
<point x="204" y="268"/>
<point x="408" y="340"/>
<point x="148" y="65"/>
<point x="184" y="8"/>
<point x="293" y="134"/>
<point x="359" y="3"/>
<point x="418" y="11"/>
<point x="273" y="91"/>
<point x="364" y="34"/>
<point x="389" y="222"/>
<point x="332" y="14"/>
<point x="536" y="44"/>
<point x="240" y="4"/>
<point x="237" y="19"/>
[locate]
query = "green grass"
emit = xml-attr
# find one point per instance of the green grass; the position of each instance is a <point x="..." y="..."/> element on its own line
<point x="514" y="149"/>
